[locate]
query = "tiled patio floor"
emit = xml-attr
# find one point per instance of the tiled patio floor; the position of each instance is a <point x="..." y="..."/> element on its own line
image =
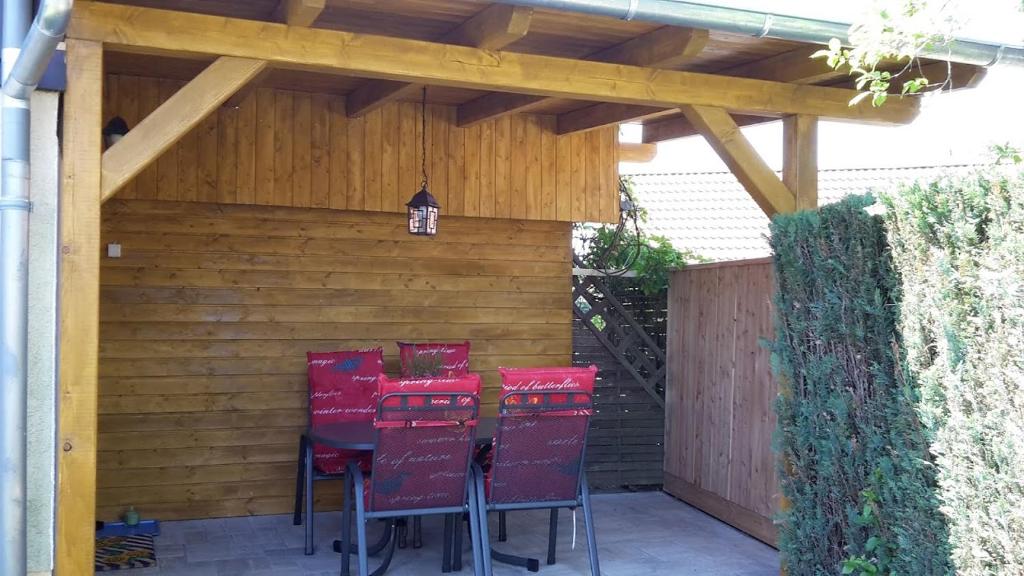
<point x="649" y="534"/>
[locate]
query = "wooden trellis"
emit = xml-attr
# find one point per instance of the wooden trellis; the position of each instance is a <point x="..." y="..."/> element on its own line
<point x="620" y="333"/>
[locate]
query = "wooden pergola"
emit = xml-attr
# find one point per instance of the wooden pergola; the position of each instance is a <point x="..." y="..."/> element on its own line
<point x="487" y="60"/>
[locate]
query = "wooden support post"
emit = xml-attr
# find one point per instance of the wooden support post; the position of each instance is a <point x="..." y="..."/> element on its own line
<point x="800" y="159"/>
<point x="719" y="129"/>
<point x="79" y="308"/>
<point x="174" y="118"/>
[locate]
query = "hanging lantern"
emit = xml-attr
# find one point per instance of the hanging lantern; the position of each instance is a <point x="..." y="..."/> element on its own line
<point x="423" y="207"/>
<point x="423" y="213"/>
<point x="114" y="131"/>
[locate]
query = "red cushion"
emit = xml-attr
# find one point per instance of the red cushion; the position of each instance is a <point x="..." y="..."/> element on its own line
<point x="467" y="384"/>
<point x="548" y="379"/>
<point x="434" y="359"/>
<point x="342" y="388"/>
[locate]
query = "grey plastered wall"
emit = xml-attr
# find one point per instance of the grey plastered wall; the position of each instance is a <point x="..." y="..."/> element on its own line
<point x="42" y="328"/>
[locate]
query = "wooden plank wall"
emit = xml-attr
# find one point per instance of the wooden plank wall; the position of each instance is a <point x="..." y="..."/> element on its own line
<point x="719" y="415"/>
<point x="288" y="148"/>
<point x="207" y="316"/>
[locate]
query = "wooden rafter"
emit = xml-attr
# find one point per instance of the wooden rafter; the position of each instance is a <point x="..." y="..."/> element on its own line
<point x="174" y="118"/>
<point x="299" y="12"/>
<point x="492" y="28"/>
<point x="800" y="159"/>
<point x="678" y="127"/>
<point x="130" y="28"/>
<point x="760" y="181"/>
<point x="666" y="48"/>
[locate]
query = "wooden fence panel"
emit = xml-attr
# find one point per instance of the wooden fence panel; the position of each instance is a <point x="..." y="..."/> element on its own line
<point x="719" y="393"/>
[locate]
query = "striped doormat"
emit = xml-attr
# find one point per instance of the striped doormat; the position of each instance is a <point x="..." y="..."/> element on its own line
<point x="124" y="552"/>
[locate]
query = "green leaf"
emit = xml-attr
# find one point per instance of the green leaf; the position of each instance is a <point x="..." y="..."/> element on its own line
<point x="879" y="99"/>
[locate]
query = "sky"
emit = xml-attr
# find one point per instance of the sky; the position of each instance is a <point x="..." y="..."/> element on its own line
<point x="953" y="128"/>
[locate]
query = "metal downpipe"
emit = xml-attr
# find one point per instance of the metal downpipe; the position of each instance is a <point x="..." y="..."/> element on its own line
<point x="764" y="24"/>
<point x="26" y="53"/>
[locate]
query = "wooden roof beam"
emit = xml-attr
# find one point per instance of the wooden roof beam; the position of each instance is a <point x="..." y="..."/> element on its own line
<point x="679" y="127"/>
<point x="492" y="28"/>
<point x="724" y="136"/>
<point x="299" y="12"/>
<point x="667" y="47"/>
<point x="636" y="152"/>
<point x="173" y="119"/>
<point x="795" y="66"/>
<point x="136" y="29"/>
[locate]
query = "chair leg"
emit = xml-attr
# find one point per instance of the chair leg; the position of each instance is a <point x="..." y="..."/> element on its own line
<point x="502" y="527"/>
<point x="417" y="532"/>
<point x="457" y="545"/>
<point x="346" y="524"/>
<point x="552" y="535"/>
<point x="310" y="517"/>
<point x="357" y="481"/>
<point x="403" y="532"/>
<point x="482" y="539"/>
<point x="588" y="517"/>
<point x="300" y="480"/>
<point x="478" y="532"/>
<point x="446" y="556"/>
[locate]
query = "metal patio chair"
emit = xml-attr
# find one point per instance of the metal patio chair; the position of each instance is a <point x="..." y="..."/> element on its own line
<point x="537" y="460"/>
<point x="342" y="388"/>
<point x="425" y="432"/>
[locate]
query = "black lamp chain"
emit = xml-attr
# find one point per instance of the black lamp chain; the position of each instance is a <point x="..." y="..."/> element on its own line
<point x="423" y="135"/>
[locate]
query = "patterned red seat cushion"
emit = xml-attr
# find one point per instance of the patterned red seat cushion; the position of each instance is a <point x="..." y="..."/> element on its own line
<point x="342" y="388"/>
<point x="570" y="380"/>
<point x="467" y="385"/>
<point x="434" y="359"/>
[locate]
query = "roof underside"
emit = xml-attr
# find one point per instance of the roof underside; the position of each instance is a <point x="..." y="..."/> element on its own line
<point x="551" y="33"/>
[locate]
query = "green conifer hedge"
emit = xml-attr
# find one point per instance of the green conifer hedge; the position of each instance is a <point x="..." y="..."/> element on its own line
<point x="854" y="461"/>
<point x="959" y="246"/>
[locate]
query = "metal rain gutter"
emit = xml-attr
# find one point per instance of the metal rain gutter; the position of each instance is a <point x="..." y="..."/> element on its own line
<point x="766" y="25"/>
<point x="26" y="53"/>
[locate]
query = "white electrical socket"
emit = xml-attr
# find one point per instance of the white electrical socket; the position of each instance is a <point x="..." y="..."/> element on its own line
<point x="113" y="250"/>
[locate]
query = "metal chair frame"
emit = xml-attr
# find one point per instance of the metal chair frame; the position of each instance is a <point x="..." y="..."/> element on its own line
<point x="353" y="492"/>
<point x="582" y="498"/>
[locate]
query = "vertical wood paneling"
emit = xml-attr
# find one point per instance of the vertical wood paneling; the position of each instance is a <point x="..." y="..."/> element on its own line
<point x="289" y="148"/>
<point x="246" y="162"/>
<point x="408" y="154"/>
<point x="578" y="169"/>
<point x="487" y="172"/>
<point x="356" y="163"/>
<point x="456" y="154"/>
<point x="437" y="143"/>
<point x="534" y="168"/>
<point x="302" y="162"/>
<point x="265" y="146"/>
<point x="719" y="393"/>
<point x="204" y="330"/>
<point x="339" y="154"/>
<point x="284" y="131"/>
<point x="390" y="168"/>
<point x="209" y="143"/>
<point x="518" y="169"/>
<point x="227" y="146"/>
<point x="503" y="167"/>
<point x="548" y="168"/>
<point x="372" y="165"/>
<point x="320" y="151"/>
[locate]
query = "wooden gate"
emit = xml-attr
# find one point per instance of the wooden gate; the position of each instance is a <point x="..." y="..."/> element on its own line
<point x="719" y="417"/>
